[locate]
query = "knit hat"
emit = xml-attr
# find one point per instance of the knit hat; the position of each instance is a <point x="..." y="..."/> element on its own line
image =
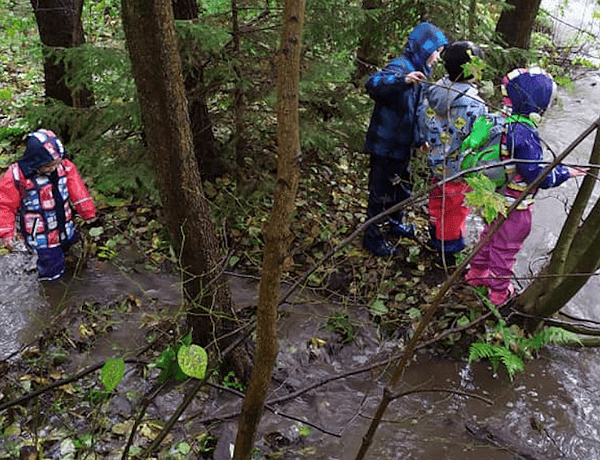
<point x="456" y="55"/>
<point x="41" y="148"/>
<point x="527" y="91"/>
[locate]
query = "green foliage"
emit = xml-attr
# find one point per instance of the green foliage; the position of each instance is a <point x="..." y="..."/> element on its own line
<point x="508" y="345"/>
<point x="169" y="363"/>
<point x="230" y="381"/>
<point x="484" y="197"/>
<point x="112" y="373"/>
<point x="340" y="324"/>
<point x="497" y="355"/>
<point x="192" y="360"/>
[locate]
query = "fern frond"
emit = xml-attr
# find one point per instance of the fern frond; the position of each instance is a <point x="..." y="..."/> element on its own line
<point x="479" y="350"/>
<point x="559" y="336"/>
<point x="511" y="362"/>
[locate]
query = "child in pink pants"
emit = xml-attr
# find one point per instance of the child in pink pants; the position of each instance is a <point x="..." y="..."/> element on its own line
<point x="527" y="93"/>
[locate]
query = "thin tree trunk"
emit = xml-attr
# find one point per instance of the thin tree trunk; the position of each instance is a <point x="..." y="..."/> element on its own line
<point x="472" y="18"/>
<point x="238" y="93"/>
<point x="207" y="156"/>
<point x="156" y="65"/>
<point x="278" y="233"/>
<point x="368" y="54"/>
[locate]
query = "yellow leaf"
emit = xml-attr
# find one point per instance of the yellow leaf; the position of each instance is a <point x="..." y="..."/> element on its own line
<point x="68" y="388"/>
<point x="85" y="331"/>
<point x="123" y="428"/>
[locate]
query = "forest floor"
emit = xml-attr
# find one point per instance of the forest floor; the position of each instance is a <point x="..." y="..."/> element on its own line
<point x="73" y="416"/>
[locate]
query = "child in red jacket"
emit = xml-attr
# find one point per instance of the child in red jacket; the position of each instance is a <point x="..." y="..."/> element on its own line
<point x="37" y="194"/>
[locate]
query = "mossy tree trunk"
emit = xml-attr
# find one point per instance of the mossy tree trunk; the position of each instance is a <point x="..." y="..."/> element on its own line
<point x="278" y="234"/>
<point x="152" y="43"/>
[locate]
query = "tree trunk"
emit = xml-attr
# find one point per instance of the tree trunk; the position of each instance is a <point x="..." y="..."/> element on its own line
<point x="368" y="54"/>
<point x="516" y="22"/>
<point x="278" y="234"/>
<point x="185" y="9"/>
<point x="59" y="25"/>
<point x="576" y="255"/>
<point x="207" y="156"/>
<point x="238" y="93"/>
<point x="152" y="44"/>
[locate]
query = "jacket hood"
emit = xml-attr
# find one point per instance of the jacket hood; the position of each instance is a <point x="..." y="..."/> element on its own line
<point x="527" y="91"/>
<point x="41" y="147"/>
<point x="422" y="42"/>
<point x="446" y="94"/>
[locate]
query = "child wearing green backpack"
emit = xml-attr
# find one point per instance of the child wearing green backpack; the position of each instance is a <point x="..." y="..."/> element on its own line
<point x="445" y="119"/>
<point x="527" y="93"/>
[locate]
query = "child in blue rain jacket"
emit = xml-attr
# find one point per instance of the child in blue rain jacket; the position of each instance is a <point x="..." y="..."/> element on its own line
<point x="396" y="90"/>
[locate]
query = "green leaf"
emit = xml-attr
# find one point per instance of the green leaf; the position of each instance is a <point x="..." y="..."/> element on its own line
<point x="378" y="308"/>
<point x="193" y="360"/>
<point x="5" y="93"/>
<point x="414" y="313"/>
<point x="462" y="321"/>
<point x="183" y="448"/>
<point x="112" y="373"/>
<point x="96" y="231"/>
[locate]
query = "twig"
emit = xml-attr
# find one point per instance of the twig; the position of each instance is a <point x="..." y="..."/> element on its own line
<point x="441" y="390"/>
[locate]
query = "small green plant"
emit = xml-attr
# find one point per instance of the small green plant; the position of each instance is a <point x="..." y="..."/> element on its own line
<point x="508" y="345"/>
<point x="230" y="381"/>
<point x="340" y="324"/>
<point x="167" y="361"/>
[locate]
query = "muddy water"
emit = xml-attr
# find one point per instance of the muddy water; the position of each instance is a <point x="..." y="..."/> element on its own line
<point x="548" y="412"/>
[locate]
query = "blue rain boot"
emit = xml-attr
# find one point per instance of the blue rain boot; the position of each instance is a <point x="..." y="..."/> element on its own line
<point x="376" y="243"/>
<point x="402" y="230"/>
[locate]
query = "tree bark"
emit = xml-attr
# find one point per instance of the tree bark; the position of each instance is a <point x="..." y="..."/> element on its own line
<point x="205" y="150"/>
<point x="516" y="22"/>
<point x="185" y="9"/>
<point x="368" y="55"/>
<point x="278" y="234"/>
<point x="59" y="26"/>
<point x="152" y="44"/>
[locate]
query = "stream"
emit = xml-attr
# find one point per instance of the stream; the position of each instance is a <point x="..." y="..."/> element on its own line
<point x="547" y="412"/>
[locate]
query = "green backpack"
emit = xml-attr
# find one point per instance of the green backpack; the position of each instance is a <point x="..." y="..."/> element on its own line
<point x="482" y="147"/>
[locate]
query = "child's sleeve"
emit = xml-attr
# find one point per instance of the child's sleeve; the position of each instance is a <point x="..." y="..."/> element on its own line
<point x="10" y="202"/>
<point x="529" y="147"/>
<point x="387" y="82"/>
<point x="78" y="192"/>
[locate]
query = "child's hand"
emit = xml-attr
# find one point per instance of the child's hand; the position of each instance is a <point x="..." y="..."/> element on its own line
<point x="577" y="172"/>
<point x="415" y="77"/>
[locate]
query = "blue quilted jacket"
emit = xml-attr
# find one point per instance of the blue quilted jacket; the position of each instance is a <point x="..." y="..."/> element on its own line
<point x="392" y="126"/>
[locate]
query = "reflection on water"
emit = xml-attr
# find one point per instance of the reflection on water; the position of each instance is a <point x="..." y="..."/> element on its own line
<point x="19" y="297"/>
